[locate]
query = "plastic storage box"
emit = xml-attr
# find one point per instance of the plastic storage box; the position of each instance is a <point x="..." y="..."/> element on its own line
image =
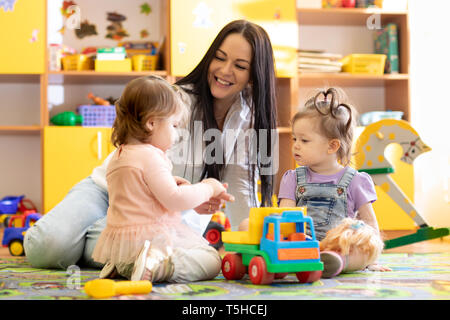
<point x="364" y="63"/>
<point x="142" y="62"/>
<point x="77" y="62"/>
<point x="97" y="116"/>
<point x="113" y="65"/>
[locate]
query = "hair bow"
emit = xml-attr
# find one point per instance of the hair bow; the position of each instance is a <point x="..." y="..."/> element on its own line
<point x="356" y="225"/>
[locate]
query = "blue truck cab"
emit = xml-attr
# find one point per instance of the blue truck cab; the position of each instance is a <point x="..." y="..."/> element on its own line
<point x="294" y="248"/>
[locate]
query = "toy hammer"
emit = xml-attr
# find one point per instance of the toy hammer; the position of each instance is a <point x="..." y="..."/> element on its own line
<point x="105" y="288"/>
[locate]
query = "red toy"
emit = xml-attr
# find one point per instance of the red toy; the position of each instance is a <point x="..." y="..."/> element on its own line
<point x="213" y="233"/>
<point x="348" y="3"/>
<point x="98" y="100"/>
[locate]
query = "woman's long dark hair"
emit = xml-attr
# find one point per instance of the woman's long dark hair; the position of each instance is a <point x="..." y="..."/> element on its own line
<point x="261" y="98"/>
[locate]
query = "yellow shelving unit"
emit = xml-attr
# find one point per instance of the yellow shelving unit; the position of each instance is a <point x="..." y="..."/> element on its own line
<point x="182" y="50"/>
<point x="396" y="93"/>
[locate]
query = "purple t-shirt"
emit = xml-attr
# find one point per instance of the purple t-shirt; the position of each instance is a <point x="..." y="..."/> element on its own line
<point x="360" y="191"/>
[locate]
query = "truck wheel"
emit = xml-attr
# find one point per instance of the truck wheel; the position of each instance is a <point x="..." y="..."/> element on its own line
<point x="308" y="276"/>
<point x="232" y="267"/>
<point x="213" y="234"/>
<point x="257" y="270"/>
<point x="16" y="248"/>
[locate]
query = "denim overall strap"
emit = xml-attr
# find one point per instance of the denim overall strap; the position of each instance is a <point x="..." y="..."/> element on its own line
<point x="326" y="202"/>
<point x="347" y="177"/>
<point x="301" y="175"/>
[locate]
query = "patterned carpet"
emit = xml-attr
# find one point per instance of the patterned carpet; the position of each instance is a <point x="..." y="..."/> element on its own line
<point x="414" y="277"/>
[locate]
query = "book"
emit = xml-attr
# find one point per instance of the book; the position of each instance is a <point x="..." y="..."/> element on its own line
<point x="300" y="70"/>
<point x="319" y="68"/>
<point x="320" y="61"/>
<point x="319" y="55"/>
<point x="310" y="61"/>
<point x="111" y="50"/>
<point x="386" y="42"/>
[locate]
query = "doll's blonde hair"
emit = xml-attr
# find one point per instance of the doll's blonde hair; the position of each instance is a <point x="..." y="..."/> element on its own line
<point x="352" y="233"/>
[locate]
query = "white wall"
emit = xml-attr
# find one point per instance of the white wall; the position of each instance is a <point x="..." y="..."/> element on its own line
<point x="430" y="85"/>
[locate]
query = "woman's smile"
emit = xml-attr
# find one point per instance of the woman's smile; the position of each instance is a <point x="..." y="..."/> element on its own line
<point x="223" y="82"/>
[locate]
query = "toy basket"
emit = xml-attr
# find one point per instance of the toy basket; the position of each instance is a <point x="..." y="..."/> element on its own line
<point x="143" y="62"/>
<point x="364" y="63"/>
<point x="97" y="116"/>
<point x="77" y="62"/>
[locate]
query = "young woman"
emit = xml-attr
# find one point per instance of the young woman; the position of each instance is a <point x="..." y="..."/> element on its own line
<point x="232" y="90"/>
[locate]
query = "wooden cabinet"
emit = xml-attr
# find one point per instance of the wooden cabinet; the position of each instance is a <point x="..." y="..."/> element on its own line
<point x="23" y="36"/>
<point x="70" y="154"/>
<point x="22" y="72"/>
<point x="345" y="31"/>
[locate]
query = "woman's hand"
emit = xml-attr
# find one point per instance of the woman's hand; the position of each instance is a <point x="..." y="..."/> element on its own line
<point x="214" y="203"/>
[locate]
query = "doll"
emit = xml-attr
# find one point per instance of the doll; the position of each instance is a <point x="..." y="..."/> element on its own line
<point x="350" y="246"/>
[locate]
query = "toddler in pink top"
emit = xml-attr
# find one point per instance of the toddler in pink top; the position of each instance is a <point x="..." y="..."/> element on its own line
<point x="145" y="238"/>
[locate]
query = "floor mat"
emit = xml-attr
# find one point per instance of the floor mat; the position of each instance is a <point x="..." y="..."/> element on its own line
<point x="414" y="276"/>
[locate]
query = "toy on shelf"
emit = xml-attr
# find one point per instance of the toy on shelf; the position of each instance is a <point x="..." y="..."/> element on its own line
<point x="364" y="63"/>
<point x="105" y="288"/>
<point x="370" y="158"/>
<point x="98" y="100"/>
<point x="274" y="245"/>
<point x="213" y="233"/>
<point x="348" y="3"/>
<point x="97" y="116"/>
<point x="67" y="118"/>
<point x="14" y="233"/>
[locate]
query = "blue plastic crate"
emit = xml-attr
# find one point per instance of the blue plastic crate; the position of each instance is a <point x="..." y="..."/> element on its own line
<point x="97" y="116"/>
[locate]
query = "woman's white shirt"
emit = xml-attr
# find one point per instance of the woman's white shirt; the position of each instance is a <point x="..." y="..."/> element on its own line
<point x="188" y="159"/>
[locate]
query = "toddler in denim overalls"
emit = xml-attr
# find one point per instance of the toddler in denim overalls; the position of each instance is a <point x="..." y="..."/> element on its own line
<point x="331" y="190"/>
<point x="326" y="203"/>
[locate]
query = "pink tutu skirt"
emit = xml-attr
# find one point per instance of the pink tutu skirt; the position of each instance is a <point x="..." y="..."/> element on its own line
<point x="122" y="244"/>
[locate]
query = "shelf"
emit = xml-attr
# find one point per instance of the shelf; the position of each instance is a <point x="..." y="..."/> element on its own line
<point x="349" y="80"/>
<point x="21" y="130"/>
<point x="344" y="16"/>
<point x="95" y="77"/>
<point x="20" y="77"/>
<point x="283" y="130"/>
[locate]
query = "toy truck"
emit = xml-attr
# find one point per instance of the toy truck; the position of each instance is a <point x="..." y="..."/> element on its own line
<point x="13" y="234"/>
<point x="274" y="245"/>
<point x="8" y="207"/>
